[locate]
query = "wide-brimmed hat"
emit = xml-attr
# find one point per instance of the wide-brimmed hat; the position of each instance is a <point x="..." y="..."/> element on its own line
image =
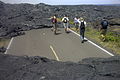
<point x="81" y="18"/>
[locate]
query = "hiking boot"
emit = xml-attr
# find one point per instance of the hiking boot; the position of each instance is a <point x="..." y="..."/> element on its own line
<point x="82" y="41"/>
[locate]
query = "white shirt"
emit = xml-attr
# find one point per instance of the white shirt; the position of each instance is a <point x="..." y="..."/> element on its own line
<point x="75" y="20"/>
<point x="66" y="18"/>
<point x="84" y="23"/>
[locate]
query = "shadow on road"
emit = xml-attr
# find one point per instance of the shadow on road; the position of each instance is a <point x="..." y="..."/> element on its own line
<point x="68" y="32"/>
<point x="85" y="40"/>
<point x="58" y="33"/>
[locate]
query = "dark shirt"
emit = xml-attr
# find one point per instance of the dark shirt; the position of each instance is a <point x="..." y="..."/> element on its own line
<point x="104" y="24"/>
<point x="54" y="20"/>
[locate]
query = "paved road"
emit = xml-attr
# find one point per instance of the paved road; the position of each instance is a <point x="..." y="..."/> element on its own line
<point x="63" y="47"/>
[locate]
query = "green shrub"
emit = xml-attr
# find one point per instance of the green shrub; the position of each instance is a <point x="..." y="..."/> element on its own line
<point x="112" y="37"/>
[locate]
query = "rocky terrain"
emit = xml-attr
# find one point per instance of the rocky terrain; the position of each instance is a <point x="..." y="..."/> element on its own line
<point x="17" y="18"/>
<point x="40" y="68"/>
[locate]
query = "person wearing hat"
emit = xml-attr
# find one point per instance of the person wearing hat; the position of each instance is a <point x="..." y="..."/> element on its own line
<point x="82" y="25"/>
<point x="54" y="22"/>
<point x="65" y="21"/>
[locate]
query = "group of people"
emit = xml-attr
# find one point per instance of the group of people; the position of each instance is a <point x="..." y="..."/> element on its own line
<point x="54" y="21"/>
<point x="80" y="25"/>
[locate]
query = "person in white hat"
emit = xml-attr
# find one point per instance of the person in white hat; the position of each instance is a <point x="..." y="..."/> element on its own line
<point x="82" y="26"/>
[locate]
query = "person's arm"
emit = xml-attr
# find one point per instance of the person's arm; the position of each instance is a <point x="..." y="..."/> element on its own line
<point x="68" y="19"/>
<point x="51" y="19"/>
<point x="79" y="23"/>
<point x="109" y="26"/>
<point x="85" y="24"/>
<point x="101" y="25"/>
<point x="56" y="19"/>
<point x="62" y="19"/>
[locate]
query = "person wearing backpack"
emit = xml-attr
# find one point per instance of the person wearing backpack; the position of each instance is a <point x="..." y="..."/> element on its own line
<point x="54" y="22"/>
<point x="103" y="29"/>
<point x="82" y="25"/>
<point x="65" y="21"/>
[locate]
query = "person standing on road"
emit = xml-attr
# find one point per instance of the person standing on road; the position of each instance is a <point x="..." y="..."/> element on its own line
<point x="54" y="22"/>
<point x="65" y="21"/>
<point x="103" y="29"/>
<point x="82" y="25"/>
<point x="76" y="23"/>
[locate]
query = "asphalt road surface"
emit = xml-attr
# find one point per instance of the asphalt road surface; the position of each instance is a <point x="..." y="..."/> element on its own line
<point x="61" y="47"/>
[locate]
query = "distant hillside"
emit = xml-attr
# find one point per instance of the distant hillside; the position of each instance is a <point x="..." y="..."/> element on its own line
<point x="110" y="4"/>
<point x="32" y="16"/>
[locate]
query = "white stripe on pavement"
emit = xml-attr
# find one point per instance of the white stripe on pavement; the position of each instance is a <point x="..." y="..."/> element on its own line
<point x="9" y="45"/>
<point x="54" y="53"/>
<point x="93" y="43"/>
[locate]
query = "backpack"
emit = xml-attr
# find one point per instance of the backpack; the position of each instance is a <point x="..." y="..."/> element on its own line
<point x="65" y="20"/>
<point x="82" y="25"/>
<point x="105" y="24"/>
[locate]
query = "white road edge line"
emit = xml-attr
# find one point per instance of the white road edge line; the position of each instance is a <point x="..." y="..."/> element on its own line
<point x="54" y="53"/>
<point x="93" y="43"/>
<point x="9" y="45"/>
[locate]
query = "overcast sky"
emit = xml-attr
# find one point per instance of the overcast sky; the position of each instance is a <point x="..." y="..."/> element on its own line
<point x="64" y="2"/>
